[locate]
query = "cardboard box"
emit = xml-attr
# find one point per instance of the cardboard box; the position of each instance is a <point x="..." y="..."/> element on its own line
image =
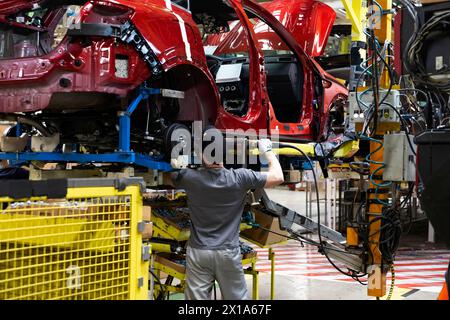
<point x="147" y="213"/>
<point x="3" y="128"/>
<point x="167" y="259"/>
<point x="263" y="237"/>
<point x="249" y="255"/>
<point x="292" y="176"/>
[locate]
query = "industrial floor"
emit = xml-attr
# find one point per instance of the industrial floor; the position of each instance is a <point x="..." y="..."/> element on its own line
<point x="304" y="274"/>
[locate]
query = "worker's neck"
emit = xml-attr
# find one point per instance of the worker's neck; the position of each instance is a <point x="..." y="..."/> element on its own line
<point x="213" y="166"/>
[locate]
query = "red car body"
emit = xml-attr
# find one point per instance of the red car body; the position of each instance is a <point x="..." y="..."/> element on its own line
<point x="81" y="72"/>
<point x="30" y="83"/>
<point x="299" y="26"/>
<point x="309" y="21"/>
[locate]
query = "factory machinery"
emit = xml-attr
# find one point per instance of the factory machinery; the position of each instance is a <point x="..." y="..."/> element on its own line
<point x="395" y="113"/>
<point x="398" y="108"/>
<point x="396" y="127"/>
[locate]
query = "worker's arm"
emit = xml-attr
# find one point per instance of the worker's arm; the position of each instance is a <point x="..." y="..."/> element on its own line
<point x="173" y="179"/>
<point x="274" y="175"/>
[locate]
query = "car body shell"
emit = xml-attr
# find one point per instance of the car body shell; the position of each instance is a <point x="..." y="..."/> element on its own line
<point x="33" y="83"/>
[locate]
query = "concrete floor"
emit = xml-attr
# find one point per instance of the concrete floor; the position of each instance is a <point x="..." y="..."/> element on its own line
<point x="294" y="200"/>
<point x="302" y="288"/>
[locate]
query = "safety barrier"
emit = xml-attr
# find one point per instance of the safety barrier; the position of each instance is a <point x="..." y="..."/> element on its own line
<point x="85" y="246"/>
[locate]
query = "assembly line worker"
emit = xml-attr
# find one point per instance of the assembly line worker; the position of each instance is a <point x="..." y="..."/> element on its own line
<point x="216" y="199"/>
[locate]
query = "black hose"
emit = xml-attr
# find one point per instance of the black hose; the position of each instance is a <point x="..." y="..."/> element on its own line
<point x="322" y="249"/>
<point x="37" y="125"/>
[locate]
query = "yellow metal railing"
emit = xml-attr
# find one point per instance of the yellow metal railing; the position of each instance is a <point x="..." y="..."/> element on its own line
<point x="180" y="274"/>
<point x="86" y="246"/>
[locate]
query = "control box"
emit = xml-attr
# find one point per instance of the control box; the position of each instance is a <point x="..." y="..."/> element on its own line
<point x="357" y="114"/>
<point x="399" y="157"/>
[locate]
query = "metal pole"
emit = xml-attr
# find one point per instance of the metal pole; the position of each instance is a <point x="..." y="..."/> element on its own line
<point x="307" y="198"/>
<point x="272" y="273"/>
<point x="326" y="202"/>
<point x="125" y="123"/>
<point x="334" y="209"/>
<point x="152" y="279"/>
<point x="310" y="198"/>
<point x="430" y="233"/>
<point x="255" y="281"/>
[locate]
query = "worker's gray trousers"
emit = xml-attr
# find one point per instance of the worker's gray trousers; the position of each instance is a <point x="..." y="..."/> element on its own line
<point x="203" y="267"/>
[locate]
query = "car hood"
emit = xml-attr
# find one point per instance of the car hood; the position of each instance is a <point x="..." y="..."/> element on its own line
<point x="309" y="21"/>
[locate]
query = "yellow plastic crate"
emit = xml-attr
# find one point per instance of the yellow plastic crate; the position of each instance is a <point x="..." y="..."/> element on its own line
<point x="84" y="247"/>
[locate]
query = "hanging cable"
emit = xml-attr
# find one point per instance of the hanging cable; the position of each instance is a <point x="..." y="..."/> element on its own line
<point x="382" y="165"/>
<point x="391" y="289"/>
<point x="322" y="249"/>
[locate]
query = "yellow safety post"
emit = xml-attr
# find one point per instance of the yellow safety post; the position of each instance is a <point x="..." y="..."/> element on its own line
<point x="344" y="46"/>
<point x="138" y="270"/>
<point x="272" y="273"/>
<point x="384" y="33"/>
<point x="354" y="10"/>
<point x="255" y="281"/>
<point x="255" y="276"/>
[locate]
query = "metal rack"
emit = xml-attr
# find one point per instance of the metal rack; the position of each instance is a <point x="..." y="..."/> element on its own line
<point x="124" y="154"/>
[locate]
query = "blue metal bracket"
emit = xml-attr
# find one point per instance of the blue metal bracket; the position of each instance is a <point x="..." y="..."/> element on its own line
<point x="124" y="155"/>
<point x="125" y="117"/>
<point x="116" y="157"/>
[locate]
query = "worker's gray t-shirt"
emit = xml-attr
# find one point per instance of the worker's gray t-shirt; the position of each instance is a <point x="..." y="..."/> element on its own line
<point x="216" y="199"/>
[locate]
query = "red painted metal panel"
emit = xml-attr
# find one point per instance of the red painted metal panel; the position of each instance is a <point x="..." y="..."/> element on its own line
<point x="309" y="21"/>
<point x="28" y="83"/>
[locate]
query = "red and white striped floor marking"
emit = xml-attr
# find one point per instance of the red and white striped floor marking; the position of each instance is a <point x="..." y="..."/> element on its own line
<point x="420" y="269"/>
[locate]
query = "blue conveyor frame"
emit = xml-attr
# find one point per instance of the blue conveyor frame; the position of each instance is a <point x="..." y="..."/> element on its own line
<point x="124" y="154"/>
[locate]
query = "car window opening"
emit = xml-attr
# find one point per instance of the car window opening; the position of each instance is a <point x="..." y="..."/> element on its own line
<point x="283" y="69"/>
<point x="27" y="36"/>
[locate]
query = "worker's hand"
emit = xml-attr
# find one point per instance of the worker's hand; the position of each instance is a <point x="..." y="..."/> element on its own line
<point x="181" y="162"/>
<point x="264" y="145"/>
